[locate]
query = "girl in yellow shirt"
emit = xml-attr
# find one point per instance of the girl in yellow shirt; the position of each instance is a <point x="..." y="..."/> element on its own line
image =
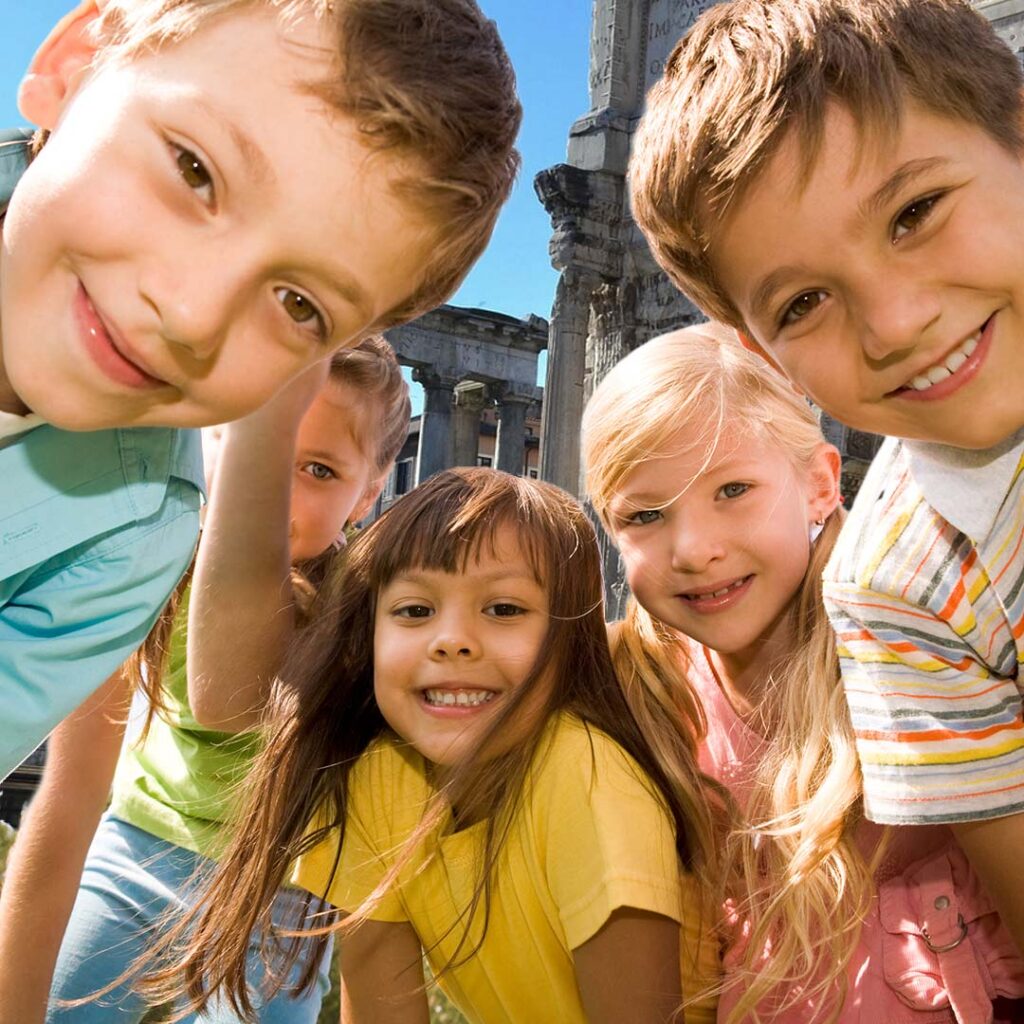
<point x="452" y="763"/>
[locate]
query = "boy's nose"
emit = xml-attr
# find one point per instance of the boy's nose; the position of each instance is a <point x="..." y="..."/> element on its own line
<point x="195" y="305"/>
<point x="896" y="318"/>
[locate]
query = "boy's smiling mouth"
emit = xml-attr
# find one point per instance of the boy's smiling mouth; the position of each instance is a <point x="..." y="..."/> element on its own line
<point x="106" y="350"/>
<point x="952" y="371"/>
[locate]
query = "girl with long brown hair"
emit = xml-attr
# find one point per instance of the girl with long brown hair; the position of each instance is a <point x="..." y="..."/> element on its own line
<point x="452" y="764"/>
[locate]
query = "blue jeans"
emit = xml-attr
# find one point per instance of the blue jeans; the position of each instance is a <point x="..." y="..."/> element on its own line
<point x="131" y="879"/>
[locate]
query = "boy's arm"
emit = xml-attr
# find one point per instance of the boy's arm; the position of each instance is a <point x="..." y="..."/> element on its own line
<point x="382" y="975"/>
<point x="45" y="865"/>
<point x="629" y="970"/>
<point x="241" y="615"/>
<point x="995" y="848"/>
<point x="69" y="623"/>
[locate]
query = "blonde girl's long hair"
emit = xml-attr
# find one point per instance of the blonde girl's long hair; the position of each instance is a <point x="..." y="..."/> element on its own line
<point x="801" y="883"/>
<point x="323" y="716"/>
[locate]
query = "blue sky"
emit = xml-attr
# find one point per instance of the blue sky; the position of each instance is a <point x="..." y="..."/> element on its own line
<point x="548" y="41"/>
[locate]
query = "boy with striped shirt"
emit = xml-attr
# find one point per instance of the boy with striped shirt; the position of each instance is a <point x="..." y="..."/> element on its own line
<point x="843" y="181"/>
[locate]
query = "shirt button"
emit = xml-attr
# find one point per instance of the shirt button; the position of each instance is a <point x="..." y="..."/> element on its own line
<point x="941" y="902"/>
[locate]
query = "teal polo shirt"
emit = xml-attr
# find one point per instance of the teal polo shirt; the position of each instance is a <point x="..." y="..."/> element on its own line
<point x="96" y="529"/>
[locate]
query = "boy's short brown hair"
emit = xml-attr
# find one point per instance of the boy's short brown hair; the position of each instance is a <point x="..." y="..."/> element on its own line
<point x="427" y="81"/>
<point x="750" y="72"/>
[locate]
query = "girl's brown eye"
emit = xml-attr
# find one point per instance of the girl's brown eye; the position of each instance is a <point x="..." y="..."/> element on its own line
<point x="912" y="216"/>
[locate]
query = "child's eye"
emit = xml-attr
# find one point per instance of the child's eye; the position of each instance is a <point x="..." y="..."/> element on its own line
<point x="733" y="490"/>
<point x="911" y="217"/>
<point x="414" y="611"/>
<point x="801" y="306"/>
<point x="301" y="309"/>
<point x="319" y="471"/>
<point x="505" y="609"/>
<point x="644" y="517"/>
<point x="194" y="173"/>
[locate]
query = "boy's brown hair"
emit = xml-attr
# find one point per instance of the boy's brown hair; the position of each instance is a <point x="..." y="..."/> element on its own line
<point x="427" y="81"/>
<point x="751" y="72"/>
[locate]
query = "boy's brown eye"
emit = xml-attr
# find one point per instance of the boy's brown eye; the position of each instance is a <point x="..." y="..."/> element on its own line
<point x="194" y="174"/>
<point x="801" y="306"/>
<point x="298" y="307"/>
<point x="913" y="215"/>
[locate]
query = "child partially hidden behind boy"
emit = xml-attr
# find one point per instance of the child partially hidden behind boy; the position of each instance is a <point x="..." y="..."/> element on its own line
<point x="842" y="180"/>
<point x="229" y="191"/>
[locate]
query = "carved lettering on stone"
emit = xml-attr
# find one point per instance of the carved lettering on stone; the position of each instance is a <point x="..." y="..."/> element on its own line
<point x="667" y="22"/>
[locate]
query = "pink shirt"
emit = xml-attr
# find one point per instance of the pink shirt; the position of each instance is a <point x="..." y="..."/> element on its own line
<point x="896" y="975"/>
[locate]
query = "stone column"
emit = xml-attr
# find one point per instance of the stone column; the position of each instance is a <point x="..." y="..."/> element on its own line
<point x="563" y="386"/>
<point x="435" y="446"/>
<point x="510" y="455"/>
<point x="470" y="399"/>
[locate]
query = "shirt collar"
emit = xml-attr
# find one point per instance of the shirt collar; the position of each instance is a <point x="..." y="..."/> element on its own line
<point x="14" y="146"/>
<point x="966" y="487"/>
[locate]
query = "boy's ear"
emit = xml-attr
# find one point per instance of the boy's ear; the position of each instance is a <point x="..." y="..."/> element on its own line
<point x="824" y="476"/>
<point x="66" y="51"/>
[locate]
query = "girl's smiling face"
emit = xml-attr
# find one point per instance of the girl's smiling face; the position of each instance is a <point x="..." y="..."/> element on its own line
<point x="450" y="649"/>
<point x="716" y="547"/>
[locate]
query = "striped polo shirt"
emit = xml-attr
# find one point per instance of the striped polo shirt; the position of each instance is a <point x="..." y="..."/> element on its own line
<point x="924" y="590"/>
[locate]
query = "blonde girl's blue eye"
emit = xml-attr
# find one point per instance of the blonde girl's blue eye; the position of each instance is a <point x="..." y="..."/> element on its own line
<point x="644" y="517"/>
<point x="301" y="309"/>
<point x="733" y="490"/>
<point x="912" y="216"/>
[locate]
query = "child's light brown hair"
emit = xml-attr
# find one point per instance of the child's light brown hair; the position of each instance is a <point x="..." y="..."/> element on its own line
<point x="752" y="72"/>
<point x="426" y="81"/>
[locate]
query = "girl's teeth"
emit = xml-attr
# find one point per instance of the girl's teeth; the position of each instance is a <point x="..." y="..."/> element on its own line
<point x="955" y="361"/>
<point x="447" y="698"/>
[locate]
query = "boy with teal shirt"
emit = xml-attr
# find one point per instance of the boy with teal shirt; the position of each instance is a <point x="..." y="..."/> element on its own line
<point x="843" y="182"/>
<point x="227" y="193"/>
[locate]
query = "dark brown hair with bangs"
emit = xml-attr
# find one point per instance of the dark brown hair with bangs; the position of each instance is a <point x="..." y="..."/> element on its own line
<point x="323" y="717"/>
<point x="752" y="72"/>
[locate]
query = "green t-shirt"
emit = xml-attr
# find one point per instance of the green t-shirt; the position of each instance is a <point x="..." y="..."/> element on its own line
<point x="179" y="783"/>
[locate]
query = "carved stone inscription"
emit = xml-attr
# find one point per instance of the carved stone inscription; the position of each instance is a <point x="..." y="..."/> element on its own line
<point x="667" y="22"/>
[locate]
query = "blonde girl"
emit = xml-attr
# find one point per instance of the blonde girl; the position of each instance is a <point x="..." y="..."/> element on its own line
<point x="286" y="481"/>
<point x="453" y="765"/>
<point x="713" y="479"/>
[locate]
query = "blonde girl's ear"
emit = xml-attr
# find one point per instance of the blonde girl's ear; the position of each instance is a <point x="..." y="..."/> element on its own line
<point x="64" y="54"/>
<point x="824" y="473"/>
<point x="369" y="496"/>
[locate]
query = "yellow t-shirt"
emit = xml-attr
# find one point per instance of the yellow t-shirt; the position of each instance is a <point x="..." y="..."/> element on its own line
<point x="590" y="836"/>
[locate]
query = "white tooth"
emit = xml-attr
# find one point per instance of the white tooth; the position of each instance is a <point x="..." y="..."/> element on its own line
<point x="970" y="345"/>
<point x="462" y="698"/>
<point x="937" y="373"/>
<point x="449" y="698"/>
<point x="956" y="360"/>
<point x="920" y="383"/>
